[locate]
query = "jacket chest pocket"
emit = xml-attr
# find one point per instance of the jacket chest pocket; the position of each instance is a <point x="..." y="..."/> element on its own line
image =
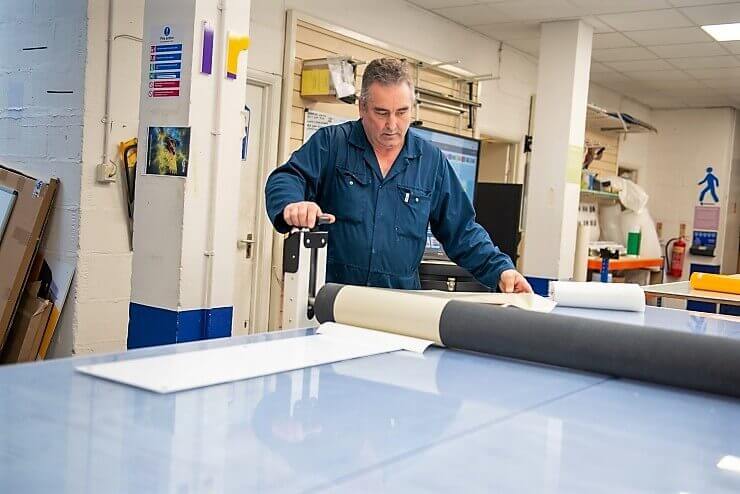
<point x="349" y="195"/>
<point x="412" y="212"/>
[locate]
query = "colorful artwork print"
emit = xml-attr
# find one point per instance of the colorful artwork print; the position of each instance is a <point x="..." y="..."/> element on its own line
<point x="169" y="151"/>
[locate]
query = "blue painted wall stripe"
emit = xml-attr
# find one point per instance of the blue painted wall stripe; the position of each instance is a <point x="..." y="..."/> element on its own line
<point x="151" y="326"/>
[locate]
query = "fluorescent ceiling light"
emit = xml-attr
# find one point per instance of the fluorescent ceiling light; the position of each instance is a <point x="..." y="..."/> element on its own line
<point x="724" y="32"/>
<point x="731" y="463"/>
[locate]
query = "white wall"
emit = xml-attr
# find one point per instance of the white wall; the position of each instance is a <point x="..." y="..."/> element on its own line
<point x="688" y="141"/>
<point x="41" y="133"/>
<point x="104" y="268"/>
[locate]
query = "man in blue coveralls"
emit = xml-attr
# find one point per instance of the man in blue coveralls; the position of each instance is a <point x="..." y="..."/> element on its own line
<point x="381" y="186"/>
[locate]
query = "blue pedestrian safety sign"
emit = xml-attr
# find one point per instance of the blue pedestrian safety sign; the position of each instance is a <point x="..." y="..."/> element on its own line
<point x="710" y="182"/>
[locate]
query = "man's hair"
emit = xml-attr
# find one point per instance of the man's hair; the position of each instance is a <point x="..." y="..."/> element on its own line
<point x="387" y="72"/>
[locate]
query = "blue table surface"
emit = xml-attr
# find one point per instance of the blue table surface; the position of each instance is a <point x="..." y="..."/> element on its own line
<point x="444" y="421"/>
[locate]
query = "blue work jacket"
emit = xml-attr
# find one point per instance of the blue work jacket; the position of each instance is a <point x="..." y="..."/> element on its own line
<point x="380" y="233"/>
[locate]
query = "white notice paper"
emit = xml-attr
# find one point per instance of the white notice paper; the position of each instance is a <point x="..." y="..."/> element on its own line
<point x="190" y="370"/>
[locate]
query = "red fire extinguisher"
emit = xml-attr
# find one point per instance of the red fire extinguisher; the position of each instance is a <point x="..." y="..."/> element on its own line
<point x="678" y="252"/>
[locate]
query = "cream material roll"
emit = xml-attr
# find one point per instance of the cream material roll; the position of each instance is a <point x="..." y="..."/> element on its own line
<point x="580" y="265"/>
<point x="614" y="296"/>
<point x="387" y="310"/>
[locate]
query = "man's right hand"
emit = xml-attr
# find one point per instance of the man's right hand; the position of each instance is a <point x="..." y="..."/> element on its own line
<point x="303" y="214"/>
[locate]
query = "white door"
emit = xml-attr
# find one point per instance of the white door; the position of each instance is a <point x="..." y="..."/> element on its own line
<point x="249" y="202"/>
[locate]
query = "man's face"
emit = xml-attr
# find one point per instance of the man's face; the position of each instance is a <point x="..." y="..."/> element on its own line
<point x="386" y="115"/>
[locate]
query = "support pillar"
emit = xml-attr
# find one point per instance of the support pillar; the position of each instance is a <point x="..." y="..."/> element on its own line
<point x="187" y="183"/>
<point x="558" y="136"/>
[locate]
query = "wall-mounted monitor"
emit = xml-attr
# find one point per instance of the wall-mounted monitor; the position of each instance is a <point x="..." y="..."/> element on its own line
<point x="463" y="154"/>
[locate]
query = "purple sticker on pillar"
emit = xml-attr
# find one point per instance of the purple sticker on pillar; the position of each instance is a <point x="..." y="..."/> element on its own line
<point x="206" y="65"/>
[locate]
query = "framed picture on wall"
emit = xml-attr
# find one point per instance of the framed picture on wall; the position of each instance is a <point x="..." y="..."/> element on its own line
<point x="168" y="151"/>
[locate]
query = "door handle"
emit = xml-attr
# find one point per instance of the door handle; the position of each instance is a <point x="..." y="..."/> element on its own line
<point x="247" y="244"/>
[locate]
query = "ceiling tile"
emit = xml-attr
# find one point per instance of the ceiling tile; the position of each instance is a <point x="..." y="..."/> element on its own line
<point x="713" y="14"/>
<point x="470" y="15"/>
<point x="610" y="77"/>
<point x="688" y="50"/>
<point x="656" y="99"/>
<point x="438" y="4"/>
<point x="599" y="26"/>
<point x="640" y="65"/>
<point x="531" y="46"/>
<point x="619" y="54"/>
<point x="705" y="62"/>
<point x="508" y="31"/>
<point x="656" y="37"/>
<point x="691" y="3"/>
<point x="650" y="19"/>
<point x="707" y="101"/>
<point x="726" y="83"/>
<point x="668" y="85"/>
<point x="732" y="92"/>
<point x="715" y="73"/>
<point x="537" y="10"/>
<point x="612" y="7"/>
<point x="660" y="75"/>
<point x="597" y="67"/>
<point x="611" y="40"/>
<point x="732" y="46"/>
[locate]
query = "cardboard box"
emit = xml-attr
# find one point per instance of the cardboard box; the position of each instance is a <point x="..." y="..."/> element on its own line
<point x="319" y="79"/>
<point x="28" y="328"/>
<point x="22" y="238"/>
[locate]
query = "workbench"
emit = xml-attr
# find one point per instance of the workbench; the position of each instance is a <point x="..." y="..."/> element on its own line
<point x="682" y="290"/>
<point x="652" y="266"/>
<point x="444" y="421"/>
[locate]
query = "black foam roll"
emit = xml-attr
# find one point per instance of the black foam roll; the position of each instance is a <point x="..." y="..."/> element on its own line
<point x="662" y="356"/>
<point x="694" y="361"/>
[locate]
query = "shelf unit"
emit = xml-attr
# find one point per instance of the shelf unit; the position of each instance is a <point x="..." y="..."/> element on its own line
<point x="597" y="194"/>
<point x="616" y="122"/>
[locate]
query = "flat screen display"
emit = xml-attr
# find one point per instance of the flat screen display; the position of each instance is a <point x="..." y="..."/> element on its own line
<point x="463" y="153"/>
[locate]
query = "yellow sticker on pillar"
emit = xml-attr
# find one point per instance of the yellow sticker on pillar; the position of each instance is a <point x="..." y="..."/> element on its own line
<point x="236" y="44"/>
<point x="574" y="164"/>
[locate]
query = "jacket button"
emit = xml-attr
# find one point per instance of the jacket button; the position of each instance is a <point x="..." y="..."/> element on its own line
<point x="351" y="182"/>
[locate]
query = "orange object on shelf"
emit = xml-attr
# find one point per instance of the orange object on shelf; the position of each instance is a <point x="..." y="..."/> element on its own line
<point x="626" y="263"/>
<point x="715" y="282"/>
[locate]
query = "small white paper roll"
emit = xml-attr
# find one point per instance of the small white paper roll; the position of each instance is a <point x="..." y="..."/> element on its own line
<point x="614" y="296"/>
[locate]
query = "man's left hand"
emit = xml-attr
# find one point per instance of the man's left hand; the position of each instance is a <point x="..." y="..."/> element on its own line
<point x="512" y="281"/>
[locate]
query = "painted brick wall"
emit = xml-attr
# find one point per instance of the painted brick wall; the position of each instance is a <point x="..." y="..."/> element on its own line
<point x="61" y="134"/>
<point x="41" y="111"/>
<point x="104" y="268"/>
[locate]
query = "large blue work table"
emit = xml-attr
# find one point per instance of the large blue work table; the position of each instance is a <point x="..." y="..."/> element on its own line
<point x="445" y="421"/>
